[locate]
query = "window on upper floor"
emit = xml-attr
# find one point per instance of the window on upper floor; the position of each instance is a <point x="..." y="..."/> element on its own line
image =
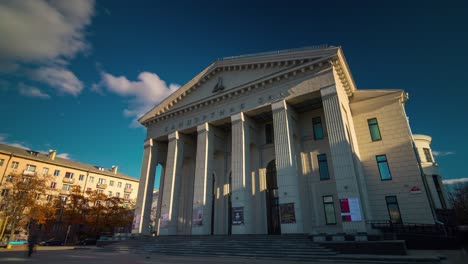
<point x="128" y="186"/>
<point x="117" y="194"/>
<point x="127" y="196"/>
<point x="4" y="192"/>
<point x="323" y="167"/>
<point x="329" y="208"/>
<point x="57" y="173"/>
<point x="14" y="164"/>
<point x="49" y="197"/>
<point x="269" y="134"/>
<point x="66" y="187"/>
<point x="318" y="129"/>
<point x="109" y="194"/>
<point x="69" y="175"/>
<point x="81" y="177"/>
<point x="91" y="179"/>
<point x="111" y="183"/>
<point x="374" y="129"/>
<point x="9" y="178"/>
<point x="101" y="181"/>
<point x="45" y="171"/>
<point x="31" y="168"/>
<point x="119" y="185"/>
<point x="53" y="185"/>
<point x="384" y="170"/>
<point x="427" y="153"/>
<point x="1" y="162"/>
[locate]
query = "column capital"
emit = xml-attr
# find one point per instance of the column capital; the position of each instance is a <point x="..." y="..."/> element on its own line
<point x="148" y="143"/>
<point x="173" y="135"/>
<point x="238" y="117"/>
<point x="330" y="90"/>
<point x="203" y="127"/>
<point x="279" y="105"/>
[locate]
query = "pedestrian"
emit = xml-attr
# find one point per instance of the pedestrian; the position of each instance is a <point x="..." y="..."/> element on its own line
<point x="32" y="239"/>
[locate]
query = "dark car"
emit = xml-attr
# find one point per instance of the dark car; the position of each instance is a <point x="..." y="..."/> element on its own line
<point x="52" y="242"/>
<point x="87" y="241"/>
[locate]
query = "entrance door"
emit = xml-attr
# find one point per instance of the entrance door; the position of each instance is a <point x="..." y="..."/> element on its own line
<point x="230" y="206"/>
<point x="272" y="200"/>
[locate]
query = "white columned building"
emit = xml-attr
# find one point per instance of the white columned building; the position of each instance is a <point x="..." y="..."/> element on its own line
<point x="280" y="143"/>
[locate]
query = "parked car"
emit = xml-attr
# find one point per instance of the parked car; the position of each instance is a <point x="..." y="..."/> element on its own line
<point x="87" y="241"/>
<point x="52" y="242"/>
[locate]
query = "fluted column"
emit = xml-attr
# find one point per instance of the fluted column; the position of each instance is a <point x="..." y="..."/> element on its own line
<point x="145" y="189"/>
<point x="341" y="155"/>
<point x="240" y="167"/>
<point x="202" y="196"/>
<point x="288" y="182"/>
<point x="172" y="182"/>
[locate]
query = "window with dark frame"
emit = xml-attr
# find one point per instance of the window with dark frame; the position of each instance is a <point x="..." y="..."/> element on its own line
<point x="269" y="134"/>
<point x="1" y="162"/>
<point x="384" y="170"/>
<point x="393" y="209"/>
<point x="318" y="129"/>
<point x="374" y="129"/>
<point x="329" y="208"/>
<point x="323" y="167"/>
<point x="427" y="153"/>
<point x="56" y="172"/>
<point x="69" y="175"/>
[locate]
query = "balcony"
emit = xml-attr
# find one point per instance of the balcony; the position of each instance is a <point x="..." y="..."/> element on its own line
<point x="68" y="180"/>
<point x="128" y="190"/>
<point x="101" y="186"/>
<point x="29" y="173"/>
<point x="64" y="192"/>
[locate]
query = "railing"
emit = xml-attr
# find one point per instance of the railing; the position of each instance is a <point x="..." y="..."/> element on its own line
<point x="413" y="228"/>
<point x="128" y="190"/>
<point x="64" y="192"/>
<point x="68" y="180"/>
<point x="101" y="186"/>
<point x="29" y="173"/>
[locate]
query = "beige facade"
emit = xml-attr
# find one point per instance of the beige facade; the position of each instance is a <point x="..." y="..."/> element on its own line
<point x="66" y="173"/>
<point x="279" y="143"/>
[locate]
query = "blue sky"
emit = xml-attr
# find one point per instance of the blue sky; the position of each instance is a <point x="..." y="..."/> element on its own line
<point x="75" y="75"/>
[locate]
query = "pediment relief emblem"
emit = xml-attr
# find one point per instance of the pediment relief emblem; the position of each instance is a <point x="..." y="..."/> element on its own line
<point x="219" y="85"/>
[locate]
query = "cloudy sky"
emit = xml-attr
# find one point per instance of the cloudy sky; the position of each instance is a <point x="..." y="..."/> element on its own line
<point x="75" y="75"/>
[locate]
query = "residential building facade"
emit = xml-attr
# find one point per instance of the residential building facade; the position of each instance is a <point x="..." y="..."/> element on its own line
<point x="278" y="143"/>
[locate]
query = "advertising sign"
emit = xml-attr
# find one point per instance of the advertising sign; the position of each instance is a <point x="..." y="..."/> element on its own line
<point x="287" y="214"/>
<point x="197" y="217"/>
<point x="350" y="210"/>
<point x="164" y="220"/>
<point x="237" y="215"/>
<point x="136" y="221"/>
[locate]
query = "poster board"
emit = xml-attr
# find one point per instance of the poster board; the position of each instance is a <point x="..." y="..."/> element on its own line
<point x="237" y="215"/>
<point x="350" y="210"/>
<point x="287" y="214"/>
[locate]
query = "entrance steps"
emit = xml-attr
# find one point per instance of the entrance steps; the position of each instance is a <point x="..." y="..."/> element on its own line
<point x="279" y="247"/>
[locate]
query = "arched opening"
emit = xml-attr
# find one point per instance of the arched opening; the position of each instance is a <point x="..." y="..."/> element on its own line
<point x="272" y="200"/>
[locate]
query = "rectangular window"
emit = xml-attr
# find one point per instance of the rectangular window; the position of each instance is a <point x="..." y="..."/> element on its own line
<point x="384" y="170"/>
<point x="1" y="162"/>
<point x="31" y="168"/>
<point x="81" y="177"/>
<point x="9" y="178"/>
<point x="91" y="178"/>
<point x="111" y="183"/>
<point x="53" y="185"/>
<point x="88" y="189"/>
<point x="49" y="197"/>
<point x="109" y="194"/>
<point x="128" y="186"/>
<point x="45" y="171"/>
<point x="66" y="187"/>
<point x="100" y="191"/>
<point x="38" y="196"/>
<point x="318" y="129"/>
<point x="374" y="129"/>
<point x="119" y="185"/>
<point x="126" y="196"/>
<point x="393" y="209"/>
<point x="101" y="181"/>
<point x="428" y="155"/>
<point x="14" y="165"/>
<point x="117" y="194"/>
<point x="56" y="172"/>
<point x="4" y="192"/>
<point x="323" y="167"/>
<point x="269" y="136"/>
<point x="69" y="175"/>
<point x="329" y="208"/>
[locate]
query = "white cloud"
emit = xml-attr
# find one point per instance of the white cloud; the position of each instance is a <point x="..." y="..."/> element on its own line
<point x="3" y="140"/>
<point x="64" y="155"/>
<point x="442" y="153"/>
<point x="63" y="80"/>
<point x="144" y="93"/>
<point x="31" y="91"/>
<point x="455" y="181"/>
<point x="40" y="37"/>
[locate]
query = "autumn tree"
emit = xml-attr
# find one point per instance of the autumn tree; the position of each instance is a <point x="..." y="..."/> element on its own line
<point x="459" y="201"/>
<point x="25" y="200"/>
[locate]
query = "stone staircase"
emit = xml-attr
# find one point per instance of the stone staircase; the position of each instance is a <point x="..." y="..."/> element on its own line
<point x="279" y="247"/>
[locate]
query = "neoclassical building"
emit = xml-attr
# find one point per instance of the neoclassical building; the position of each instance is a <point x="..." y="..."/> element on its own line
<point x="277" y="143"/>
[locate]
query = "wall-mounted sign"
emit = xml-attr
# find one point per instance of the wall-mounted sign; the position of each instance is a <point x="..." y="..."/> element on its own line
<point x="287" y="214"/>
<point x="136" y="221"/>
<point x="197" y="217"/>
<point x="237" y="215"/>
<point x="350" y="210"/>
<point x="415" y="189"/>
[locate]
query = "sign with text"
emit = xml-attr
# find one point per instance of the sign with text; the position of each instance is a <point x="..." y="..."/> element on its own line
<point x="197" y="217"/>
<point x="287" y="214"/>
<point x="237" y="215"/>
<point x="350" y="210"/>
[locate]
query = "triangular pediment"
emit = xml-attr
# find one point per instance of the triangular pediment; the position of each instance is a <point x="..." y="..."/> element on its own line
<point x="233" y="75"/>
